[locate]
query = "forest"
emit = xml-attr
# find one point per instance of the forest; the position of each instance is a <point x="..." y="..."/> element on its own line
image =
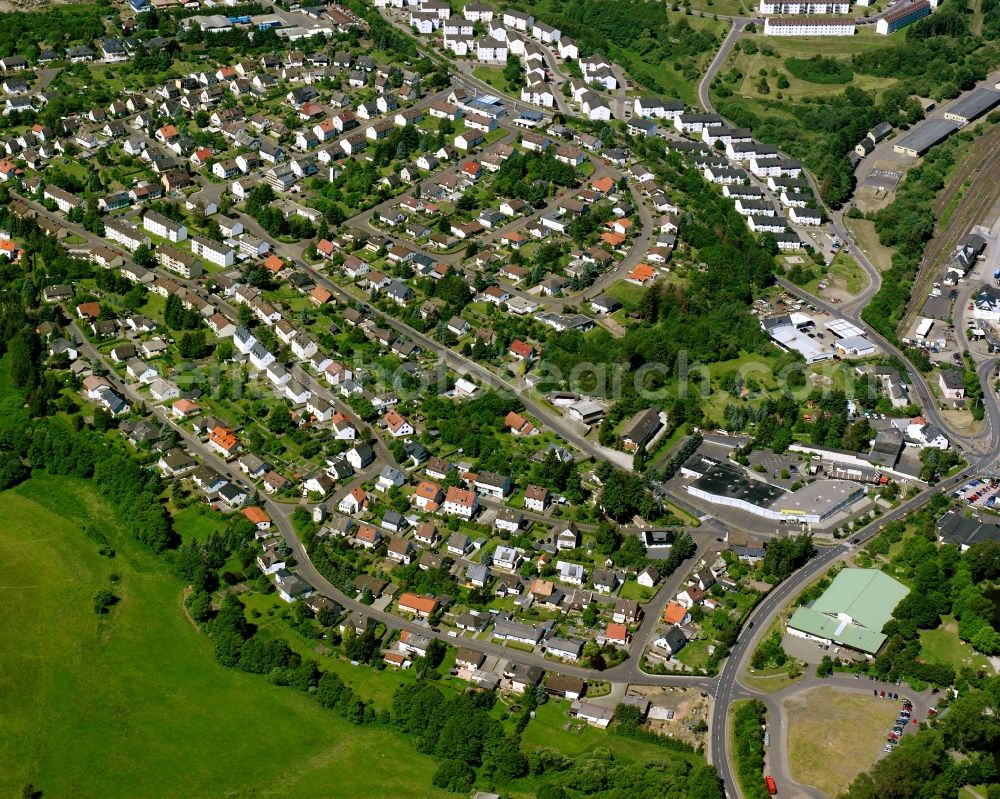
<point x="640" y="32"/>
<point x="21" y="32"/>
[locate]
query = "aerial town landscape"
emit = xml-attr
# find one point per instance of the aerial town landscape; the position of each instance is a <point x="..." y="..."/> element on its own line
<point x="576" y="398"/>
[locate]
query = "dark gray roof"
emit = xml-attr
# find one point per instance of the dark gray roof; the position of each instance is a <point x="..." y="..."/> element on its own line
<point x="975" y="104"/>
<point x="954" y="528"/>
<point x="927" y="134"/>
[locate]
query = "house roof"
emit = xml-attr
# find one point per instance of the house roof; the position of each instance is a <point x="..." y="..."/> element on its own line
<point x="421" y="604"/>
<point x="256" y="515"/>
<point x="674" y="613"/>
<point x="616" y="632"/>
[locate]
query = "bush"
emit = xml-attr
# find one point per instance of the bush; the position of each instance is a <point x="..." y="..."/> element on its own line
<point x="820" y="69"/>
<point x="104" y="600"/>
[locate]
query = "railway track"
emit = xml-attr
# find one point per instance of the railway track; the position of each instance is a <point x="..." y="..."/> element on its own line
<point x="971" y="210"/>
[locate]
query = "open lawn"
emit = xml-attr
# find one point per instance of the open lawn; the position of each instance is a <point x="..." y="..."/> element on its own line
<point x="771" y="680"/>
<point x="134" y="704"/>
<point x="198" y="522"/>
<point x="834" y="735"/>
<point x="695" y="654"/>
<point x="729" y="8"/>
<point x="492" y="76"/>
<point x="944" y="646"/>
<point x="632" y="590"/>
<point x="843" y="276"/>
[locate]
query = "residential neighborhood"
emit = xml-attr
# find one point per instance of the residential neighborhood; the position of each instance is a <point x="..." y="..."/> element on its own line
<point x="479" y="378"/>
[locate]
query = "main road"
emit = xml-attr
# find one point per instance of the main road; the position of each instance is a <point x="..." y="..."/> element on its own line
<point x="729" y="687"/>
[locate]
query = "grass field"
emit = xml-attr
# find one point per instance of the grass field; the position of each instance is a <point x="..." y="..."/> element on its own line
<point x="134" y="704"/>
<point x="834" y="735"/>
<point x="864" y="234"/>
<point x="843" y="276"/>
<point x="780" y="50"/>
<point x="695" y="655"/>
<point x="944" y="646"/>
<point x="771" y="680"/>
<point x="628" y="294"/>
<point x="549" y="728"/>
<point x="198" y="522"/>
<point x="492" y="76"/>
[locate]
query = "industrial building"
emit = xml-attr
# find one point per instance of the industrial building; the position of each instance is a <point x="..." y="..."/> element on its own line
<point x="919" y="140"/>
<point x="972" y="106"/>
<point x="851" y="612"/>
<point x="788" y="332"/>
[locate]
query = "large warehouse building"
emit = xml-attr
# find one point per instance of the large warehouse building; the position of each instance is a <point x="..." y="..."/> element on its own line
<point x="924" y="136"/>
<point x="729" y="486"/>
<point x="972" y="106"/>
<point x="851" y="612"/>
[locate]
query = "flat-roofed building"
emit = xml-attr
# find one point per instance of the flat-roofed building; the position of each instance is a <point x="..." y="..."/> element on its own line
<point x="851" y="612"/>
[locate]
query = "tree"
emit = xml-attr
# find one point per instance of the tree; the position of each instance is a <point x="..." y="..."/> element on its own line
<point x="455" y="776"/>
<point x="104" y="600"/>
<point x="193" y="345"/>
<point x="144" y="256"/>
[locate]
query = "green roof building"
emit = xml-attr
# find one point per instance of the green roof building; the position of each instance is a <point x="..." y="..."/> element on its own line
<point x="852" y="611"/>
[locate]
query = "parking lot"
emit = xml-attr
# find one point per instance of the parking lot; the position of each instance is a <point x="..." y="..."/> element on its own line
<point x="981" y="493"/>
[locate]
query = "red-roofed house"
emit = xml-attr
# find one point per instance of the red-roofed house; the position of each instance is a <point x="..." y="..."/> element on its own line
<point x="223" y="441"/>
<point x="428" y="496"/>
<point x="617" y="634"/>
<point x="325" y="248"/>
<point x="614" y="240"/>
<point x="273" y="264"/>
<point x="320" y="296"/>
<point x="185" y="409"/>
<point x="258" y="517"/>
<point x="461" y="502"/>
<point x="420" y="606"/>
<point x="641" y="274"/>
<point x="397" y="425"/>
<point x="355" y="502"/>
<point x="603" y="185"/>
<point x="521" y="350"/>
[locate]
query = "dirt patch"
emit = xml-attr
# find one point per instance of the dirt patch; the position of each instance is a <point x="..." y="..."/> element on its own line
<point x="689" y="706"/>
<point x="834" y="735"/>
<point x="863" y="232"/>
<point x="961" y="421"/>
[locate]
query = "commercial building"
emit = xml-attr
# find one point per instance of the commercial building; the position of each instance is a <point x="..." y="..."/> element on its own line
<point x="851" y="612"/>
<point x="729" y="486"/>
